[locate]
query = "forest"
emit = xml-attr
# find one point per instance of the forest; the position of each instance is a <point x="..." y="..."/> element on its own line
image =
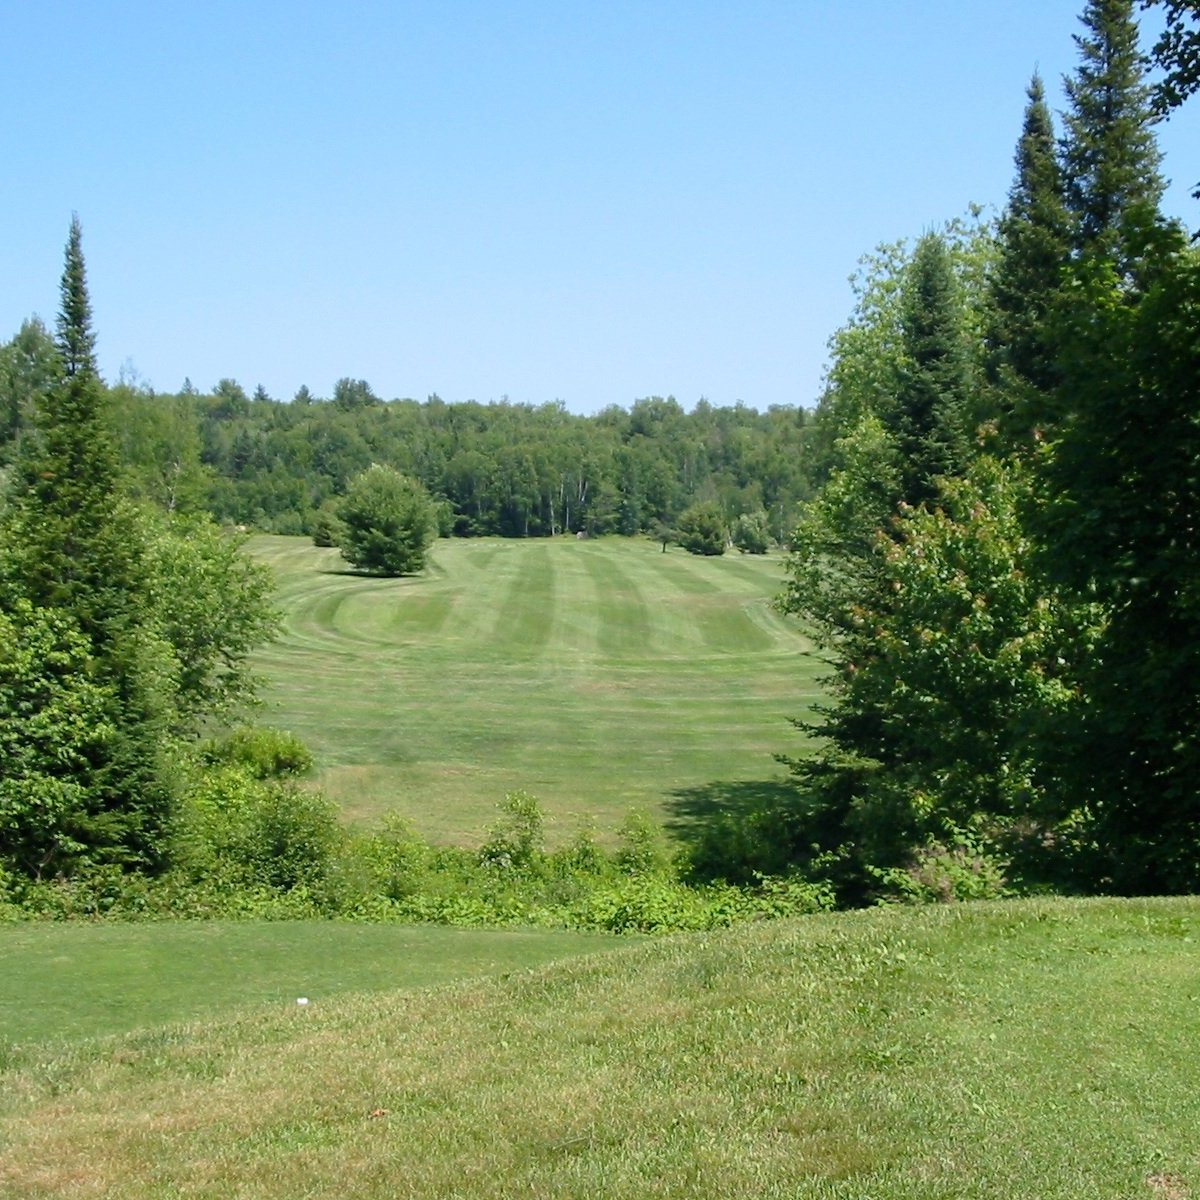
<point x="503" y="469"/>
<point x="991" y="520"/>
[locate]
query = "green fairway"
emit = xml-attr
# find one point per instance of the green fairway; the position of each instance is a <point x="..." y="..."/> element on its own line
<point x="66" y="981"/>
<point x="1037" y="1050"/>
<point x="598" y="675"/>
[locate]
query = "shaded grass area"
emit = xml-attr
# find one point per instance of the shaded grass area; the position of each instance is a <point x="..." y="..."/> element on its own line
<point x="1024" y="1049"/>
<point x="67" y="981"/>
<point x="599" y="675"/>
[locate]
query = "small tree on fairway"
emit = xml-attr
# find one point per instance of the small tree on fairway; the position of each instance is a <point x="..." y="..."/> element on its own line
<point x="387" y="522"/>
<point x="702" y="529"/>
<point x="750" y="533"/>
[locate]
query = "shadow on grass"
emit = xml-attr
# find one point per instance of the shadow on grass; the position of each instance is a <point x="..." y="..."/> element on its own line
<point x="355" y="574"/>
<point x="735" y="829"/>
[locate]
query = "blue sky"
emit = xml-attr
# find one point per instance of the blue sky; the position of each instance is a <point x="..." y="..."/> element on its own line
<point x="583" y="200"/>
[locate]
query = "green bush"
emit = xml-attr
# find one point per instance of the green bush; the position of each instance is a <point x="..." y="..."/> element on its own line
<point x="264" y="753"/>
<point x="750" y="533"/>
<point x="642" y="849"/>
<point x="515" y="842"/>
<point x="701" y="529"/>
<point x="326" y="528"/>
<point x="243" y="831"/>
<point x="942" y="873"/>
<point x="394" y="860"/>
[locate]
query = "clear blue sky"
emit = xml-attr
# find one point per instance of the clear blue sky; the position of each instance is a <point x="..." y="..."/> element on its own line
<point x="577" y="200"/>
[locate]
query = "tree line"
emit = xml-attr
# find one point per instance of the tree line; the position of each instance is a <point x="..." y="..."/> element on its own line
<point x="506" y="469"/>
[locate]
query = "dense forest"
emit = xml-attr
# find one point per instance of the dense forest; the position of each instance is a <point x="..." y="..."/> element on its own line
<point x="504" y="469"/>
<point x="992" y="519"/>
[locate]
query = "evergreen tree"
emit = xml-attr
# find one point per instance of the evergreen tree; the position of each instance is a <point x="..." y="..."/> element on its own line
<point x="1033" y="250"/>
<point x="71" y="547"/>
<point x="930" y="412"/>
<point x="1110" y="156"/>
<point x="74" y="545"/>
<point x="1119" y="519"/>
<point x="386" y="522"/>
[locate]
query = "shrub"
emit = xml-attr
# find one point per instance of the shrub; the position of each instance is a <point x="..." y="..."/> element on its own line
<point x="942" y="873"/>
<point x="750" y="534"/>
<point x="326" y="528"/>
<point x="264" y="753"/>
<point x="395" y="861"/>
<point x="642" y="849"/>
<point x="701" y="529"/>
<point x="243" y="831"/>
<point x="515" y="841"/>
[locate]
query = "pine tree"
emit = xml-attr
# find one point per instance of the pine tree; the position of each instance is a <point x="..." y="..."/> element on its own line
<point x="1117" y="477"/>
<point x="1110" y="156"/>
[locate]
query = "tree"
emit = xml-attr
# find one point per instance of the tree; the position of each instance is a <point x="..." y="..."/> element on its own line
<point x="1177" y="53"/>
<point x="71" y="544"/>
<point x="1034" y="246"/>
<point x="701" y="529"/>
<point x="750" y="533"/>
<point x="930" y="414"/>
<point x="387" y="522"/>
<point x="212" y="606"/>
<point x="55" y="723"/>
<point x="1119" y="519"/>
<point x="1110" y="157"/>
<point x="159" y="443"/>
<point x="28" y="364"/>
<point x="121" y="631"/>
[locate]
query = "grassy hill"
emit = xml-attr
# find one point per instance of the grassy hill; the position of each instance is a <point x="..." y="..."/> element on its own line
<point x="1038" y="1049"/>
<point x="598" y="675"/>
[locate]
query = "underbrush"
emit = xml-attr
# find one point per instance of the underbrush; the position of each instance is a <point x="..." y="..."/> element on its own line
<point x="250" y="841"/>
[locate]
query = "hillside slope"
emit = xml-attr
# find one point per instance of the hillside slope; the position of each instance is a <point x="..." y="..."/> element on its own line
<point x="1030" y="1049"/>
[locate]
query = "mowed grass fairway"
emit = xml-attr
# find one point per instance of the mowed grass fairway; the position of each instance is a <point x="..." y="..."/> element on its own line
<point x="1039" y="1050"/>
<point x="599" y="675"/>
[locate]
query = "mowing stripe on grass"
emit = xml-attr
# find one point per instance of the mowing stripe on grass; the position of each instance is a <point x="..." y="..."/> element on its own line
<point x="526" y="612"/>
<point x="596" y="674"/>
<point x="622" y="617"/>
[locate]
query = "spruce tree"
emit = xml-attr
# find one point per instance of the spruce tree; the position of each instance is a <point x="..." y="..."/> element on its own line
<point x="1034" y="248"/>
<point x="930" y="413"/>
<point x="1110" y="156"/>
<point x="72" y="549"/>
<point x="1116" y="516"/>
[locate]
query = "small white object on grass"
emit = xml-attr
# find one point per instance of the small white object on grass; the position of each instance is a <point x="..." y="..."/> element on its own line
<point x="301" y="999"/>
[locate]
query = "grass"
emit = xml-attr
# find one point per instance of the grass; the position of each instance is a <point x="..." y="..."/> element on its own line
<point x="599" y="675"/>
<point x="75" y="980"/>
<point x="1035" y="1049"/>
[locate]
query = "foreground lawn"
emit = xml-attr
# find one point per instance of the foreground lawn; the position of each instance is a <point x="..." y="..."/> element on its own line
<point x="1026" y="1050"/>
<point x="598" y="675"/>
<point x="66" y="981"/>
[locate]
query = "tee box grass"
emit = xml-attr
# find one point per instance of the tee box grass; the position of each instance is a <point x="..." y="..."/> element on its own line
<point x="1031" y="1050"/>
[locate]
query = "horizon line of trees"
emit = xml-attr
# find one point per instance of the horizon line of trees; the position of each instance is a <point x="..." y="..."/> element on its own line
<point x="512" y="470"/>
